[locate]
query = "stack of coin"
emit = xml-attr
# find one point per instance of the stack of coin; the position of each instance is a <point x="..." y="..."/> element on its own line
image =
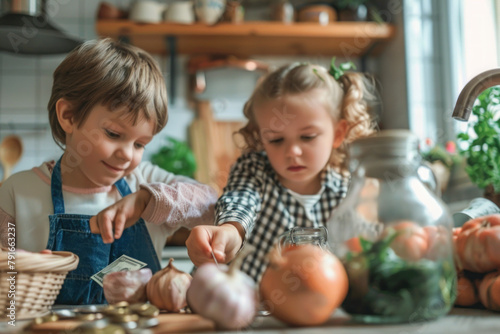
<point x="119" y="318"/>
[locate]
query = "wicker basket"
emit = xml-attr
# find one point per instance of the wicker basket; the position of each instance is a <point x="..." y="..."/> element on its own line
<point x="37" y="282"/>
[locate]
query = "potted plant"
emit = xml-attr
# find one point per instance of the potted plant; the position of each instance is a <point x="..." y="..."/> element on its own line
<point x="358" y="10"/>
<point x="176" y="157"/>
<point x="441" y="160"/>
<point x="482" y="144"/>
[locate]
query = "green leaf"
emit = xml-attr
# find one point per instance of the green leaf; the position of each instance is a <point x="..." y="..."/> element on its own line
<point x="176" y="157"/>
<point x="482" y="140"/>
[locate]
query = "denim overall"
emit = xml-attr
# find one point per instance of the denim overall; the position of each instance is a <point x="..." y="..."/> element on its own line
<point x="71" y="232"/>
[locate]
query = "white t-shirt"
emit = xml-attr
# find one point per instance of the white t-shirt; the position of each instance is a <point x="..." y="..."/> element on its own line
<point x="307" y="201"/>
<point x="27" y="197"/>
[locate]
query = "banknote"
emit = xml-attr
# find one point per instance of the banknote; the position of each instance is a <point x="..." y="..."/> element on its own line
<point x="123" y="263"/>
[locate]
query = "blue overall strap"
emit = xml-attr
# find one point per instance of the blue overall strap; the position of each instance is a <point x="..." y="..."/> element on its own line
<point x="123" y="187"/>
<point x="56" y="188"/>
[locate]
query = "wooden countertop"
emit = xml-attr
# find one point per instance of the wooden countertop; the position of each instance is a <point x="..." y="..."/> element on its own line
<point x="459" y="320"/>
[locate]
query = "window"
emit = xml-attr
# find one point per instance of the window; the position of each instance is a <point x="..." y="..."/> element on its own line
<point x="447" y="43"/>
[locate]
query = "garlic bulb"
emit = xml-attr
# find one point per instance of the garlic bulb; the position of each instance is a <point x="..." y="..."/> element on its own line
<point x="224" y="294"/>
<point x="129" y="286"/>
<point x="167" y="288"/>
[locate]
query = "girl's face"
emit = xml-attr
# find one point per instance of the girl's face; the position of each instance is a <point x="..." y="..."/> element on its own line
<point x="297" y="133"/>
<point x="105" y="148"/>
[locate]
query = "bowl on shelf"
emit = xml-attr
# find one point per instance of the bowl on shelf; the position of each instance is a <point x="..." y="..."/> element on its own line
<point x="179" y="12"/>
<point x="209" y="11"/>
<point x="322" y="14"/>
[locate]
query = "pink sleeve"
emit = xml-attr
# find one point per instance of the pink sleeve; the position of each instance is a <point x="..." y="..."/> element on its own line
<point x="180" y="204"/>
<point x="5" y="219"/>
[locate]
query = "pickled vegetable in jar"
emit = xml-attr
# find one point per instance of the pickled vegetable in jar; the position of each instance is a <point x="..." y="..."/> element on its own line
<point x="393" y="235"/>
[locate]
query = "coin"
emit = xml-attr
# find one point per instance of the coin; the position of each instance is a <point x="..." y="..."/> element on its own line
<point x="89" y="316"/>
<point x="123" y="318"/>
<point x="122" y="304"/>
<point x="64" y="313"/>
<point x="47" y="318"/>
<point x="138" y="307"/>
<point x="145" y="322"/>
<point x="117" y="311"/>
<point x="145" y="310"/>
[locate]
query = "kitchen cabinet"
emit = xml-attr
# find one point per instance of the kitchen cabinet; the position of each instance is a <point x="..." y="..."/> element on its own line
<point x="347" y="39"/>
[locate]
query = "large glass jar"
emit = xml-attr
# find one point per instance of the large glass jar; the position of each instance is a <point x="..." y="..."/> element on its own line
<point x="393" y="234"/>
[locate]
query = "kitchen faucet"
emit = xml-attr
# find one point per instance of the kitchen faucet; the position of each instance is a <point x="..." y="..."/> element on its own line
<point x="472" y="89"/>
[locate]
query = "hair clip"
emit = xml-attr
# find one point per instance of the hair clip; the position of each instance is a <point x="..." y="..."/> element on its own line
<point x="337" y="72"/>
<point x="315" y="71"/>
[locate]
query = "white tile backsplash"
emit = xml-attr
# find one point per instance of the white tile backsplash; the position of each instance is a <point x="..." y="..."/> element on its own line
<point x="48" y="63"/>
<point x="90" y="7"/>
<point x="88" y="29"/>
<point x="64" y="9"/>
<point x="72" y="27"/>
<point x="18" y="63"/>
<point x="45" y="84"/>
<point x="18" y="92"/>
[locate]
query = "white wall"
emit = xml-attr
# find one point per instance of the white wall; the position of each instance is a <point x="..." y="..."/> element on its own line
<point x="25" y="85"/>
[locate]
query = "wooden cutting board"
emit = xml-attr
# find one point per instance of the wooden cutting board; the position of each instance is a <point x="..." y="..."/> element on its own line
<point x="214" y="146"/>
<point x="169" y="323"/>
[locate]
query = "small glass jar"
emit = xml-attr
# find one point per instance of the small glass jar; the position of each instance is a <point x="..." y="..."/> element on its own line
<point x="393" y="234"/>
<point x="304" y="235"/>
<point x="283" y="11"/>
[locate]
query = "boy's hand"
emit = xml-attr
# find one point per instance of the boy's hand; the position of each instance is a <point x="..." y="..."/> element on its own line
<point x="224" y="240"/>
<point x="111" y="221"/>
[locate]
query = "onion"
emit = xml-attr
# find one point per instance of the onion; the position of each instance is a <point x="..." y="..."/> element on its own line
<point x="167" y="288"/>
<point x="224" y="294"/>
<point x="303" y="284"/>
<point x="129" y="286"/>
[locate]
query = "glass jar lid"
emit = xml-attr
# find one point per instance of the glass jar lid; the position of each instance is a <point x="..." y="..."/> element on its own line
<point x="385" y="144"/>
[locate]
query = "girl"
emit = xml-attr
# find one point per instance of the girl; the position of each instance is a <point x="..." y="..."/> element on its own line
<point x="300" y="120"/>
<point x="108" y="101"/>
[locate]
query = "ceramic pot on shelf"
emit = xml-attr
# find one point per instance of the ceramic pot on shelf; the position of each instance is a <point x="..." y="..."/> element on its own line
<point x="209" y="11"/>
<point x="147" y="11"/>
<point x="179" y="12"/>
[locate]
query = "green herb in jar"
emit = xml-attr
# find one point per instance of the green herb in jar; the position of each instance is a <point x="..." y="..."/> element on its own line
<point x="385" y="288"/>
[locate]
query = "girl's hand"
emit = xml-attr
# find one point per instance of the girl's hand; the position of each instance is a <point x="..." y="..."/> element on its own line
<point x="224" y="240"/>
<point x="111" y="221"/>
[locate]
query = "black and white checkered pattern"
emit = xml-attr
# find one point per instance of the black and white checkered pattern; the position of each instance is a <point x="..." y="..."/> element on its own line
<point x="256" y="199"/>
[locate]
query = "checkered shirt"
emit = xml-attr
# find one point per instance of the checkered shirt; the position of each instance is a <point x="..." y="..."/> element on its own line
<point x="255" y="198"/>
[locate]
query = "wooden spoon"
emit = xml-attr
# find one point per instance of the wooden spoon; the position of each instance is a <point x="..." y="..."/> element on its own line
<point x="11" y="149"/>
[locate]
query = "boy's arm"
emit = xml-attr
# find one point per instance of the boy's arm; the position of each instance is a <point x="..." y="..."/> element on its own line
<point x="180" y="204"/>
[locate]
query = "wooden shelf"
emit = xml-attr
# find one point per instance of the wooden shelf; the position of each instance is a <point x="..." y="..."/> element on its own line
<point x="346" y="39"/>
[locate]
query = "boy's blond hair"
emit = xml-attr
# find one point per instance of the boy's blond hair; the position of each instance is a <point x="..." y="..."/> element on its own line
<point x="345" y="99"/>
<point x="113" y="74"/>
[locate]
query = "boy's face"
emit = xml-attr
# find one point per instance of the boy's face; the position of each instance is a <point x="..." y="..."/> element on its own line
<point x="297" y="133"/>
<point x="105" y="148"/>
